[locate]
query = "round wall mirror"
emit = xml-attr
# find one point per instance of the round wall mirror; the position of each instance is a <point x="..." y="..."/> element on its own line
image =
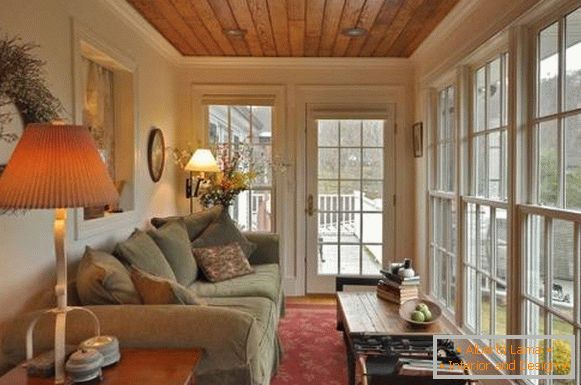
<point x="156" y="154"/>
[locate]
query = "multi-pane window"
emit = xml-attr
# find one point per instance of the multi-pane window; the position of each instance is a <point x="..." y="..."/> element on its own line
<point x="442" y="202"/>
<point x="486" y="217"/>
<point x="558" y="114"/>
<point x="552" y="236"/>
<point x="489" y="129"/>
<point x="248" y="129"/>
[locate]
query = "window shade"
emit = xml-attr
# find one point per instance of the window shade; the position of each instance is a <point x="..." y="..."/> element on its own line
<point x="239" y="100"/>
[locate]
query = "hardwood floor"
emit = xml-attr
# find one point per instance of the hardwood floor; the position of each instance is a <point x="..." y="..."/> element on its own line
<point x="317" y="299"/>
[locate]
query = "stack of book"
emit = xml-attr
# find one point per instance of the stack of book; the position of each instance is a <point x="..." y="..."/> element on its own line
<point x="397" y="289"/>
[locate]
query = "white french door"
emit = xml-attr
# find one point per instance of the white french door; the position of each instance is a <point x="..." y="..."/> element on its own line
<point x="349" y="215"/>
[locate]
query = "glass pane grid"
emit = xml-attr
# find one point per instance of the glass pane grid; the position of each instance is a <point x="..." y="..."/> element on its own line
<point x="350" y="196"/>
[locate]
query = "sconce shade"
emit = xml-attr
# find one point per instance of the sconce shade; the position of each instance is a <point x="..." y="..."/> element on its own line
<point x="56" y="166"/>
<point x="202" y="161"/>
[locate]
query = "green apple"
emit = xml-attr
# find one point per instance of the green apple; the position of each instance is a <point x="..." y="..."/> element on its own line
<point x="422" y="307"/>
<point x="418" y="316"/>
<point x="427" y="314"/>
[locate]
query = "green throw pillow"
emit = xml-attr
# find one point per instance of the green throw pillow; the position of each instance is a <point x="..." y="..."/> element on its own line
<point x="142" y="251"/>
<point x="159" y="291"/>
<point x="221" y="232"/>
<point x="172" y="239"/>
<point x="195" y="223"/>
<point x="103" y="280"/>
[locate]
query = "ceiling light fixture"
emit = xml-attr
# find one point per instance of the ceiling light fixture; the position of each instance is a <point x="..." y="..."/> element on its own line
<point x="354" y="32"/>
<point x="235" y="32"/>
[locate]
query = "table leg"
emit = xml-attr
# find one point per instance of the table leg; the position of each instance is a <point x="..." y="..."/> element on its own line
<point x="350" y="360"/>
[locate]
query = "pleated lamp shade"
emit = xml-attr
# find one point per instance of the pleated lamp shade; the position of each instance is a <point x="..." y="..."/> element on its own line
<point x="56" y="166"/>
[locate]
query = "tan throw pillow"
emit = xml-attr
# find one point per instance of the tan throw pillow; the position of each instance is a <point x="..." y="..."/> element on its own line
<point x="160" y="291"/>
<point x="220" y="263"/>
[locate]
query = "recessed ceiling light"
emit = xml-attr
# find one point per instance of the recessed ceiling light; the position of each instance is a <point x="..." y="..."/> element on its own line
<point x="235" y="32"/>
<point x="354" y="32"/>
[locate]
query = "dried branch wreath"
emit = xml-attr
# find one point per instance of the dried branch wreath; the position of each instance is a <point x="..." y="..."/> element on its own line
<point x="22" y="84"/>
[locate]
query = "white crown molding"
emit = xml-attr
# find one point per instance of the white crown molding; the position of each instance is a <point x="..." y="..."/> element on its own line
<point x="293" y="62"/>
<point x="142" y="26"/>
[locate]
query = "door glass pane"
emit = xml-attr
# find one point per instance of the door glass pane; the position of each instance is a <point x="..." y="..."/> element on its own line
<point x="328" y="133"/>
<point x="548" y="163"/>
<point x="350" y="133"/>
<point x="373" y="196"/>
<point x="350" y="257"/>
<point x="372" y="228"/>
<point x="328" y="163"/>
<point x="372" y="258"/>
<point x="327" y="255"/>
<point x="573" y="161"/>
<point x="372" y="163"/>
<point x="548" y="87"/>
<point x="573" y="61"/>
<point x="373" y="133"/>
<point x="350" y="196"/>
<point x="350" y="163"/>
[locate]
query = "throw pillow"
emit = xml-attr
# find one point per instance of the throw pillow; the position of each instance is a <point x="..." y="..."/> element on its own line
<point x="172" y="239"/>
<point x="103" y="280"/>
<point x="195" y="223"/>
<point x="223" y="231"/>
<point x="220" y="263"/>
<point x="160" y="291"/>
<point x="142" y="251"/>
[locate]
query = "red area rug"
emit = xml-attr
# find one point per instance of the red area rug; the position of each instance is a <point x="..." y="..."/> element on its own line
<point x="314" y="351"/>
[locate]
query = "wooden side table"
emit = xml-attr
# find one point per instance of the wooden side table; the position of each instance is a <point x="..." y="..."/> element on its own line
<point x="137" y="366"/>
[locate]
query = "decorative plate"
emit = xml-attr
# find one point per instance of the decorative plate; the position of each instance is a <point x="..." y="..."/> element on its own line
<point x="156" y="154"/>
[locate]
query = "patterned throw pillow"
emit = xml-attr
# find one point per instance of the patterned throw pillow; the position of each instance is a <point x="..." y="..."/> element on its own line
<point x="220" y="263"/>
<point x="160" y="291"/>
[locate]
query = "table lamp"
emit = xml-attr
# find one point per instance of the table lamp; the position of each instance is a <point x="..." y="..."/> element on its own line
<point x="202" y="161"/>
<point x="56" y="167"/>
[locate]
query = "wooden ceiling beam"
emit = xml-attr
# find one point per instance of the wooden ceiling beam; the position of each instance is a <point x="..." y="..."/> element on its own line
<point x="279" y="21"/>
<point x="405" y="13"/>
<point x="349" y="19"/>
<point x="262" y="23"/>
<point x="243" y="17"/>
<point x="195" y="24"/>
<point x="331" y="20"/>
<point x="226" y="19"/>
<point x="314" y="22"/>
<point x="367" y="19"/>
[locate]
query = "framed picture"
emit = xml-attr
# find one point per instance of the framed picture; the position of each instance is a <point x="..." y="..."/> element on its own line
<point x="418" y="132"/>
<point x="156" y="154"/>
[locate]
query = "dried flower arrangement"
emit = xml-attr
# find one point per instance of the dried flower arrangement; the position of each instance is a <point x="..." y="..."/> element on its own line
<point x="22" y="84"/>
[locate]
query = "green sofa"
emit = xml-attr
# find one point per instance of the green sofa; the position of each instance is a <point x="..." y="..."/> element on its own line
<point x="237" y="329"/>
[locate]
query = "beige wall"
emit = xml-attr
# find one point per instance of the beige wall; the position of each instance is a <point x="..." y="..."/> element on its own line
<point x="27" y="269"/>
<point x="292" y="75"/>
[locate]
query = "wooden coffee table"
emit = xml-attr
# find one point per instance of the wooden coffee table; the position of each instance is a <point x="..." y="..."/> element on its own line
<point x="137" y="366"/>
<point x="362" y="313"/>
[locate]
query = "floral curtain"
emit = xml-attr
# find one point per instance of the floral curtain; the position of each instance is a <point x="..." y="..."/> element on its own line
<point x="99" y="111"/>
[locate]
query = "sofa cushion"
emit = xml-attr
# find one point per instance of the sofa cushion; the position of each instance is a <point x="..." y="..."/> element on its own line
<point x="160" y="291"/>
<point x="172" y="239"/>
<point x="141" y="251"/>
<point x="103" y="280"/>
<point x="261" y="309"/>
<point x="223" y="231"/>
<point x="220" y="263"/>
<point x="265" y="283"/>
<point x="195" y="223"/>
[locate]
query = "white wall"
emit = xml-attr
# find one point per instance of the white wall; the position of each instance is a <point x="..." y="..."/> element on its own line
<point x="27" y="268"/>
<point x="327" y="79"/>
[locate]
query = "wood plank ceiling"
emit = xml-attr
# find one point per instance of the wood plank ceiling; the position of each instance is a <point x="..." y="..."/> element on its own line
<point x="394" y="28"/>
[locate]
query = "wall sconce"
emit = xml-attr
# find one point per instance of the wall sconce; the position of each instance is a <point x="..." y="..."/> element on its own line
<point x="202" y="162"/>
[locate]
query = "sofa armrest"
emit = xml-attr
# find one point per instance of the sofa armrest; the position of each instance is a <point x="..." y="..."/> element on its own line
<point x="228" y="337"/>
<point x="267" y="248"/>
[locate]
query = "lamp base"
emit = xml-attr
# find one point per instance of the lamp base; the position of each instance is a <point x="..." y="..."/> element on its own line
<point x="59" y="349"/>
